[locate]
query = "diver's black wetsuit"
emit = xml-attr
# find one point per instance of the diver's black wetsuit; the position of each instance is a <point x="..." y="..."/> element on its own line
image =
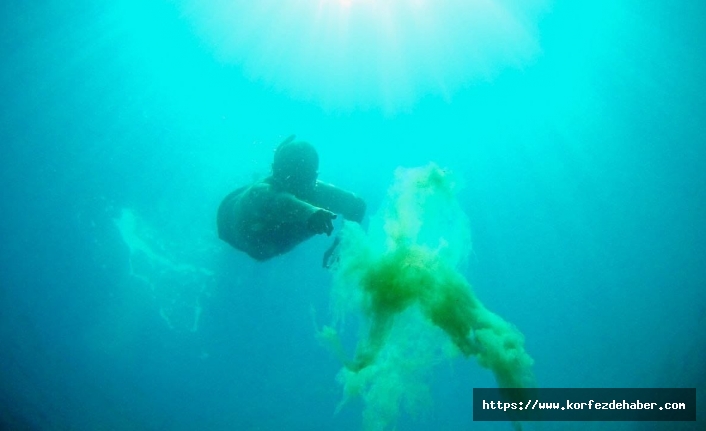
<point x="264" y="222"/>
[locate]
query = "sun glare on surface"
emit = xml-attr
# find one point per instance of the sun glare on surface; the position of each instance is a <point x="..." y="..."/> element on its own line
<point x="368" y="54"/>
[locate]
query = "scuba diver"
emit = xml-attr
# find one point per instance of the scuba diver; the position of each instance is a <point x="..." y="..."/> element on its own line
<point x="274" y="215"/>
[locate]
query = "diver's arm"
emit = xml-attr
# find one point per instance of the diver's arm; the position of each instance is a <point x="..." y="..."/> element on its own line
<point x="277" y="206"/>
<point x="339" y="201"/>
<point x="285" y="207"/>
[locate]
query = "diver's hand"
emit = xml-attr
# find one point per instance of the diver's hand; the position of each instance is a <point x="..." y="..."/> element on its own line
<point x="321" y="222"/>
<point x="329" y="257"/>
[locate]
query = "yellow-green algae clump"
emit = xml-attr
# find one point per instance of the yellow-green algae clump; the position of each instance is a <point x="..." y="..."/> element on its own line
<point x="411" y="257"/>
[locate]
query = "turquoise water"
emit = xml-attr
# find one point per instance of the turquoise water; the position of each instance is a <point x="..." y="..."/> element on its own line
<point x="576" y="130"/>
